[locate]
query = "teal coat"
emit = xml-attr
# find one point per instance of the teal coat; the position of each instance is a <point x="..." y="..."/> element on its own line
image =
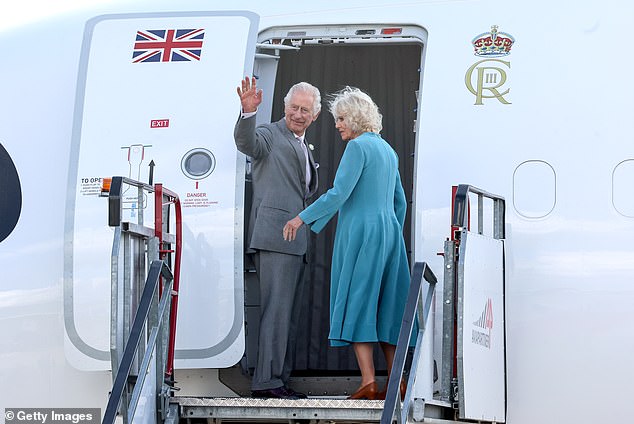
<point x="370" y="272"/>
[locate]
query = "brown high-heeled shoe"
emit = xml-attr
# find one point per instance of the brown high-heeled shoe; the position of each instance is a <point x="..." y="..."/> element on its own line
<point x="369" y="391"/>
<point x="381" y="395"/>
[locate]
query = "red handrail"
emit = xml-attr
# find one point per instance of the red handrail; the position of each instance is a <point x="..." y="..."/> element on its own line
<point x="159" y="194"/>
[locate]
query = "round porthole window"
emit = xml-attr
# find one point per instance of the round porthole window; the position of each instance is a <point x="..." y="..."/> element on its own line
<point x="198" y="163"/>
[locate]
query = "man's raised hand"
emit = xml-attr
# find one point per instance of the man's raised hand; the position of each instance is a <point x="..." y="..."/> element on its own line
<point x="250" y="96"/>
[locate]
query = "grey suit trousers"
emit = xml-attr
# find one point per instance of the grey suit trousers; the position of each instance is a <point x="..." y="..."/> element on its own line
<point x="281" y="278"/>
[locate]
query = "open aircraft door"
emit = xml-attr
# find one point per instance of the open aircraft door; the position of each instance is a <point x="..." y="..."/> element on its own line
<point x="156" y="98"/>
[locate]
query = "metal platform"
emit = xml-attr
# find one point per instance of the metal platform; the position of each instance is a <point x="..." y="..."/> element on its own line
<point x="311" y="410"/>
<point x="281" y="410"/>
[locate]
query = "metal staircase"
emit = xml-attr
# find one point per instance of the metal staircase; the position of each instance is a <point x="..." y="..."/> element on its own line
<point x="143" y="310"/>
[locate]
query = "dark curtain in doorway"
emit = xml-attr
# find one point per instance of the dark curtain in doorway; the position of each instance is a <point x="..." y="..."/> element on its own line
<point x="390" y="74"/>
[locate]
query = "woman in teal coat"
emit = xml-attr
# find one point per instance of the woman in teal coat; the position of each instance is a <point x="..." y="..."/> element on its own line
<point x="370" y="272"/>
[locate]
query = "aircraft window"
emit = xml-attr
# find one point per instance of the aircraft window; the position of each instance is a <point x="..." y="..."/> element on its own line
<point x="198" y="163"/>
<point x="10" y="195"/>
<point x="534" y="189"/>
<point x="622" y="180"/>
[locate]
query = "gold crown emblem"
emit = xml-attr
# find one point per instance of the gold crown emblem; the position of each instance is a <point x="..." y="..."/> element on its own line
<point x="493" y="43"/>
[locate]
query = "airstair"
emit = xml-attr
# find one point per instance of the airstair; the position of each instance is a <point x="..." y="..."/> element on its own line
<point x="142" y="350"/>
<point x="144" y="301"/>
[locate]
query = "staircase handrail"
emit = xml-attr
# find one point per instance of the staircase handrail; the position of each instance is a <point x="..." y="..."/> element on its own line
<point x="414" y="306"/>
<point x="460" y="218"/>
<point x="158" y="269"/>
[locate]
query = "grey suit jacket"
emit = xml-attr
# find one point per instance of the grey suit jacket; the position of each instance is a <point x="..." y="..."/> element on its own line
<point x="279" y="184"/>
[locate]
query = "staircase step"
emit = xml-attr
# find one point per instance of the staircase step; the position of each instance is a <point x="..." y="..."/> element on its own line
<point x="265" y="410"/>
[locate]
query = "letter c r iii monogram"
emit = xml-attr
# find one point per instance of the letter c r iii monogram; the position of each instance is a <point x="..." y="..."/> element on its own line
<point x="489" y="78"/>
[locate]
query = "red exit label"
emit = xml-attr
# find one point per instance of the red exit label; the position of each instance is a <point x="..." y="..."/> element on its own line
<point x="159" y="123"/>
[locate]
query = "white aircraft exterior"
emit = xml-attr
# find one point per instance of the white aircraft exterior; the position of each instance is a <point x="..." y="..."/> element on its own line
<point x="543" y="119"/>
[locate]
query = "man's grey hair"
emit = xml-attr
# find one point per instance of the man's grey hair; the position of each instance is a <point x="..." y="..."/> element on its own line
<point x="357" y="109"/>
<point x="305" y="87"/>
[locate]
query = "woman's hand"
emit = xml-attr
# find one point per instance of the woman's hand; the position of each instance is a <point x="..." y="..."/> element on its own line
<point x="291" y="227"/>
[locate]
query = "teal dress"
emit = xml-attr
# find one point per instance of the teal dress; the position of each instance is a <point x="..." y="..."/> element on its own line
<point x="370" y="272"/>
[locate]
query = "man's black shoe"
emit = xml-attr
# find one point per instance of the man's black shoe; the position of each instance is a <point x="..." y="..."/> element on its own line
<point x="300" y="395"/>
<point x="276" y="393"/>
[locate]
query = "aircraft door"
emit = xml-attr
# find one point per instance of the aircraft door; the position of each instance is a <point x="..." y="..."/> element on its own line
<point x="330" y="67"/>
<point x="285" y="57"/>
<point x="157" y="96"/>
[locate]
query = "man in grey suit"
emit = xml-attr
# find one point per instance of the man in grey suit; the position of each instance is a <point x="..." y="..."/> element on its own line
<point x="284" y="177"/>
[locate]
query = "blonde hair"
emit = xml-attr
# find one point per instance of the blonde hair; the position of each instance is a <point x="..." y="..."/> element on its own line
<point x="357" y="109"/>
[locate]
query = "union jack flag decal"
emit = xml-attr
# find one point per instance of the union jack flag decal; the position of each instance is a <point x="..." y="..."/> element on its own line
<point x="168" y="45"/>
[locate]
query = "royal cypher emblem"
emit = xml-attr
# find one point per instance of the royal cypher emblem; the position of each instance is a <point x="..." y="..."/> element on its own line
<point x="493" y="43"/>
